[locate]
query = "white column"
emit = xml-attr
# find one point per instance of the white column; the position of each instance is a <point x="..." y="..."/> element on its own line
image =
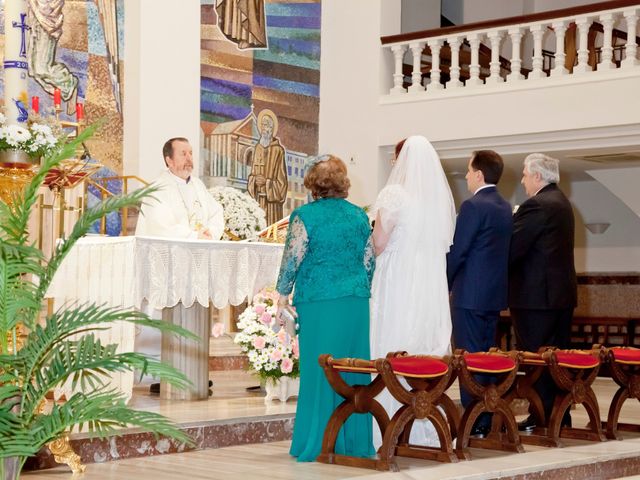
<point x="606" y="60"/>
<point x="151" y="112"/>
<point x="583" y="66"/>
<point x="495" y="36"/>
<point x="631" y="49"/>
<point x="416" y="75"/>
<point x="15" y="61"/>
<point x="435" y="46"/>
<point x="538" y="33"/>
<point x="474" y="68"/>
<point x="398" y="77"/>
<point x="516" y="60"/>
<point x="454" y="71"/>
<point x="560" y="28"/>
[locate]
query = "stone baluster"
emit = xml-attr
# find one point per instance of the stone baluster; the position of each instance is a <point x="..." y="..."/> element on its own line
<point x="537" y="31"/>
<point x="435" y="45"/>
<point x="398" y="77"/>
<point x="606" y="60"/>
<point x="495" y="37"/>
<point x="474" y="68"/>
<point x="454" y="70"/>
<point x="560" y="29"/>
<point x="516" y="60"/>
<point x="583" y="66"/>
<point x="416" y="74"/>
<point x="631" y="49"/>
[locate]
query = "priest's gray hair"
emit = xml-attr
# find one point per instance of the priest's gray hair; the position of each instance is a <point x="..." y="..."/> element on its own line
<point x="546" y="166"/>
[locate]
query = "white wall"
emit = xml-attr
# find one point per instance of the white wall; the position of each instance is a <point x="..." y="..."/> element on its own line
<point x="618" y="248"/>
<point x="420" y="15"/>
<point x="350" y="88"/>
<point x="162" y="81"/>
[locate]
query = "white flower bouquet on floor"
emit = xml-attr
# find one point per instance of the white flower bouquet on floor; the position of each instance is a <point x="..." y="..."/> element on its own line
<point x="243" y="217"/>
<point x="271" y="351"/>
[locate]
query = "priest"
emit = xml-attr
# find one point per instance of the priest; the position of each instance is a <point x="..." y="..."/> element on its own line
<point x="182" y="208"/>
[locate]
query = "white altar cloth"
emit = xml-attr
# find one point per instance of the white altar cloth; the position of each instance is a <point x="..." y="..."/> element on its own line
<point x="169" y="271"/>
<point x="100" y="270"/>
<point x="125" y="271"/>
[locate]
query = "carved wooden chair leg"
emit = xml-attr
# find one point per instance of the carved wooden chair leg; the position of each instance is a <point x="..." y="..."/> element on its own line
<point x="574" y="372"/>
<point x="64" y="453"/>
<point x="489" y="399"/>
<point x="624" y="364"/>
<point x="428" y="378"/>
<point x="357" y="399"/>
<point x="469" y="417"/>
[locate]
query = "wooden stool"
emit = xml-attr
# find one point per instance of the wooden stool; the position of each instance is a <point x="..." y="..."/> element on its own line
<point x="573" y="372"/>
<point x="487" y="398"/>
<point x="624" y="363"/>
<point x="429" y="378"/>
<point x="357" y="399"/>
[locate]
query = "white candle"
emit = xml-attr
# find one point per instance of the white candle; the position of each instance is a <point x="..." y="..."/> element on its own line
<point x="15" y="61"/>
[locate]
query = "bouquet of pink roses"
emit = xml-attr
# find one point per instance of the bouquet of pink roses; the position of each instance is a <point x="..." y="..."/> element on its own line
<point x="271" y="351"/>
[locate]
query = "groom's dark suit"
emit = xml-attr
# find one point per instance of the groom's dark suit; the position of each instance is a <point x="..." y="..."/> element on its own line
<point x="477" y="270"/>
<point x="542" y="276"/>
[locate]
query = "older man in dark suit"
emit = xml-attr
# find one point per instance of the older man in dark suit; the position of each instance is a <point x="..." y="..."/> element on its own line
<point x="477" y="263"/>
<point x="542" y="276"/>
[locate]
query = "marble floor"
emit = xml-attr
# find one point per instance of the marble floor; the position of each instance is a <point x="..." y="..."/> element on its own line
<point x="230" y="400"/>
<point x="271" y="460"/>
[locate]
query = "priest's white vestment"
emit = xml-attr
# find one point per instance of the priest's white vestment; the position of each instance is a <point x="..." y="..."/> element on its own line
<point x="181" y="209"/>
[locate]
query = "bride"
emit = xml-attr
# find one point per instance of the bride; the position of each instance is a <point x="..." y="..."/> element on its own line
<point x="415" y="222"/>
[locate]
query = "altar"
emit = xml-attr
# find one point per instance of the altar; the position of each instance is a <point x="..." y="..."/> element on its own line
<point x="184" y="278"/>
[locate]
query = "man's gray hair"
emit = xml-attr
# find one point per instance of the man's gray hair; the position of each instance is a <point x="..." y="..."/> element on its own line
<point x="546" y="166"/>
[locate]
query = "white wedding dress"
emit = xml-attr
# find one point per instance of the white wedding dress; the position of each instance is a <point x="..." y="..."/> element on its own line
<point x="409" y="293"/>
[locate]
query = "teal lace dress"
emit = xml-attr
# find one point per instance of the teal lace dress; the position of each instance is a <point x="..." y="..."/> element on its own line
<point x="329" y="257"/>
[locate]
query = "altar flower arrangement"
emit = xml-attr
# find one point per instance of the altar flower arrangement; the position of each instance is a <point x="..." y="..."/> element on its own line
<point x="243" y="217"/>
<point x="272" y="353"/>
<point x="37" y="138"/>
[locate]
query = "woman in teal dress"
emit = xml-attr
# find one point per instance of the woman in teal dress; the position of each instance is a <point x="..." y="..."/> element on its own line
<point x="329" y="258"/>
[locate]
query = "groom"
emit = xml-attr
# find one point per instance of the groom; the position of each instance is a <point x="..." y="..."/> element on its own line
<point x="477" y="264"/>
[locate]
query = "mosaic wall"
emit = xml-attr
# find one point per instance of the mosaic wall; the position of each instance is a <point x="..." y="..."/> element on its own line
<point x="259" y="59"/>
<point x="80" y="46"/>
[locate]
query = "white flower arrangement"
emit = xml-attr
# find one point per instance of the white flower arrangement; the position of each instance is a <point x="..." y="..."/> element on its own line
<point x="36" y="138"/>
<point x="243" y="216"/>
<point x="272" y="354"/>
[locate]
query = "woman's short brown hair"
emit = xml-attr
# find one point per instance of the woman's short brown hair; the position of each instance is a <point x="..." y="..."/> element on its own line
<point x="328" y="179"/>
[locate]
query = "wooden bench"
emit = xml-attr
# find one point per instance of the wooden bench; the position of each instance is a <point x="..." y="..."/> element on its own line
<point x="573" y="372"/>
<point x="428" y="379"/>
<point x="487" y="398"/>
<point x="624" y="365"/>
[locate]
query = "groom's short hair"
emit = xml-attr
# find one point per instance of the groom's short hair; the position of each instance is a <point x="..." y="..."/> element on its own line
<point x="489" y="163"/>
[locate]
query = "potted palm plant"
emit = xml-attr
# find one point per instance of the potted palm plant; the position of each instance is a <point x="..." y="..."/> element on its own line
<point x="62" y="346"/>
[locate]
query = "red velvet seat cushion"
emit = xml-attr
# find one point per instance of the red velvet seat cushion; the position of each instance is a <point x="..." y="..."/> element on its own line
<point x="576" y="360"/>
<point x="626" y="355"/>
<point x="418" y="366"/>
<point x="482" y="362"/>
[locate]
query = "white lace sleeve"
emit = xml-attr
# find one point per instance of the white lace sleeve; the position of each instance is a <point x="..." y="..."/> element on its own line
<point x="295" y="249"/>
<point x="389" y="203"/>
<point x="370" y="258"/>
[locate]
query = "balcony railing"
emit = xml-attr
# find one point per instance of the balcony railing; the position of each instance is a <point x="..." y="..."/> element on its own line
<point x="575" y="41"/>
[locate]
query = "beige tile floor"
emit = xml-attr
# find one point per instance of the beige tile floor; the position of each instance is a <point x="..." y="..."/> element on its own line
<point x="272" y="460"/>
<point x="229" y="400"/>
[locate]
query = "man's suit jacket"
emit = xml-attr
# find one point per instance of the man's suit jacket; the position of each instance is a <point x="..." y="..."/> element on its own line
<point x="477" y="263"/>
<point x="542" y="274"/>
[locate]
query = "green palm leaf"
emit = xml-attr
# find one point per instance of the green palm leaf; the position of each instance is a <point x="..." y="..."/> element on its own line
<point x="100" y="413"/>
<point x="64" y="347"/>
